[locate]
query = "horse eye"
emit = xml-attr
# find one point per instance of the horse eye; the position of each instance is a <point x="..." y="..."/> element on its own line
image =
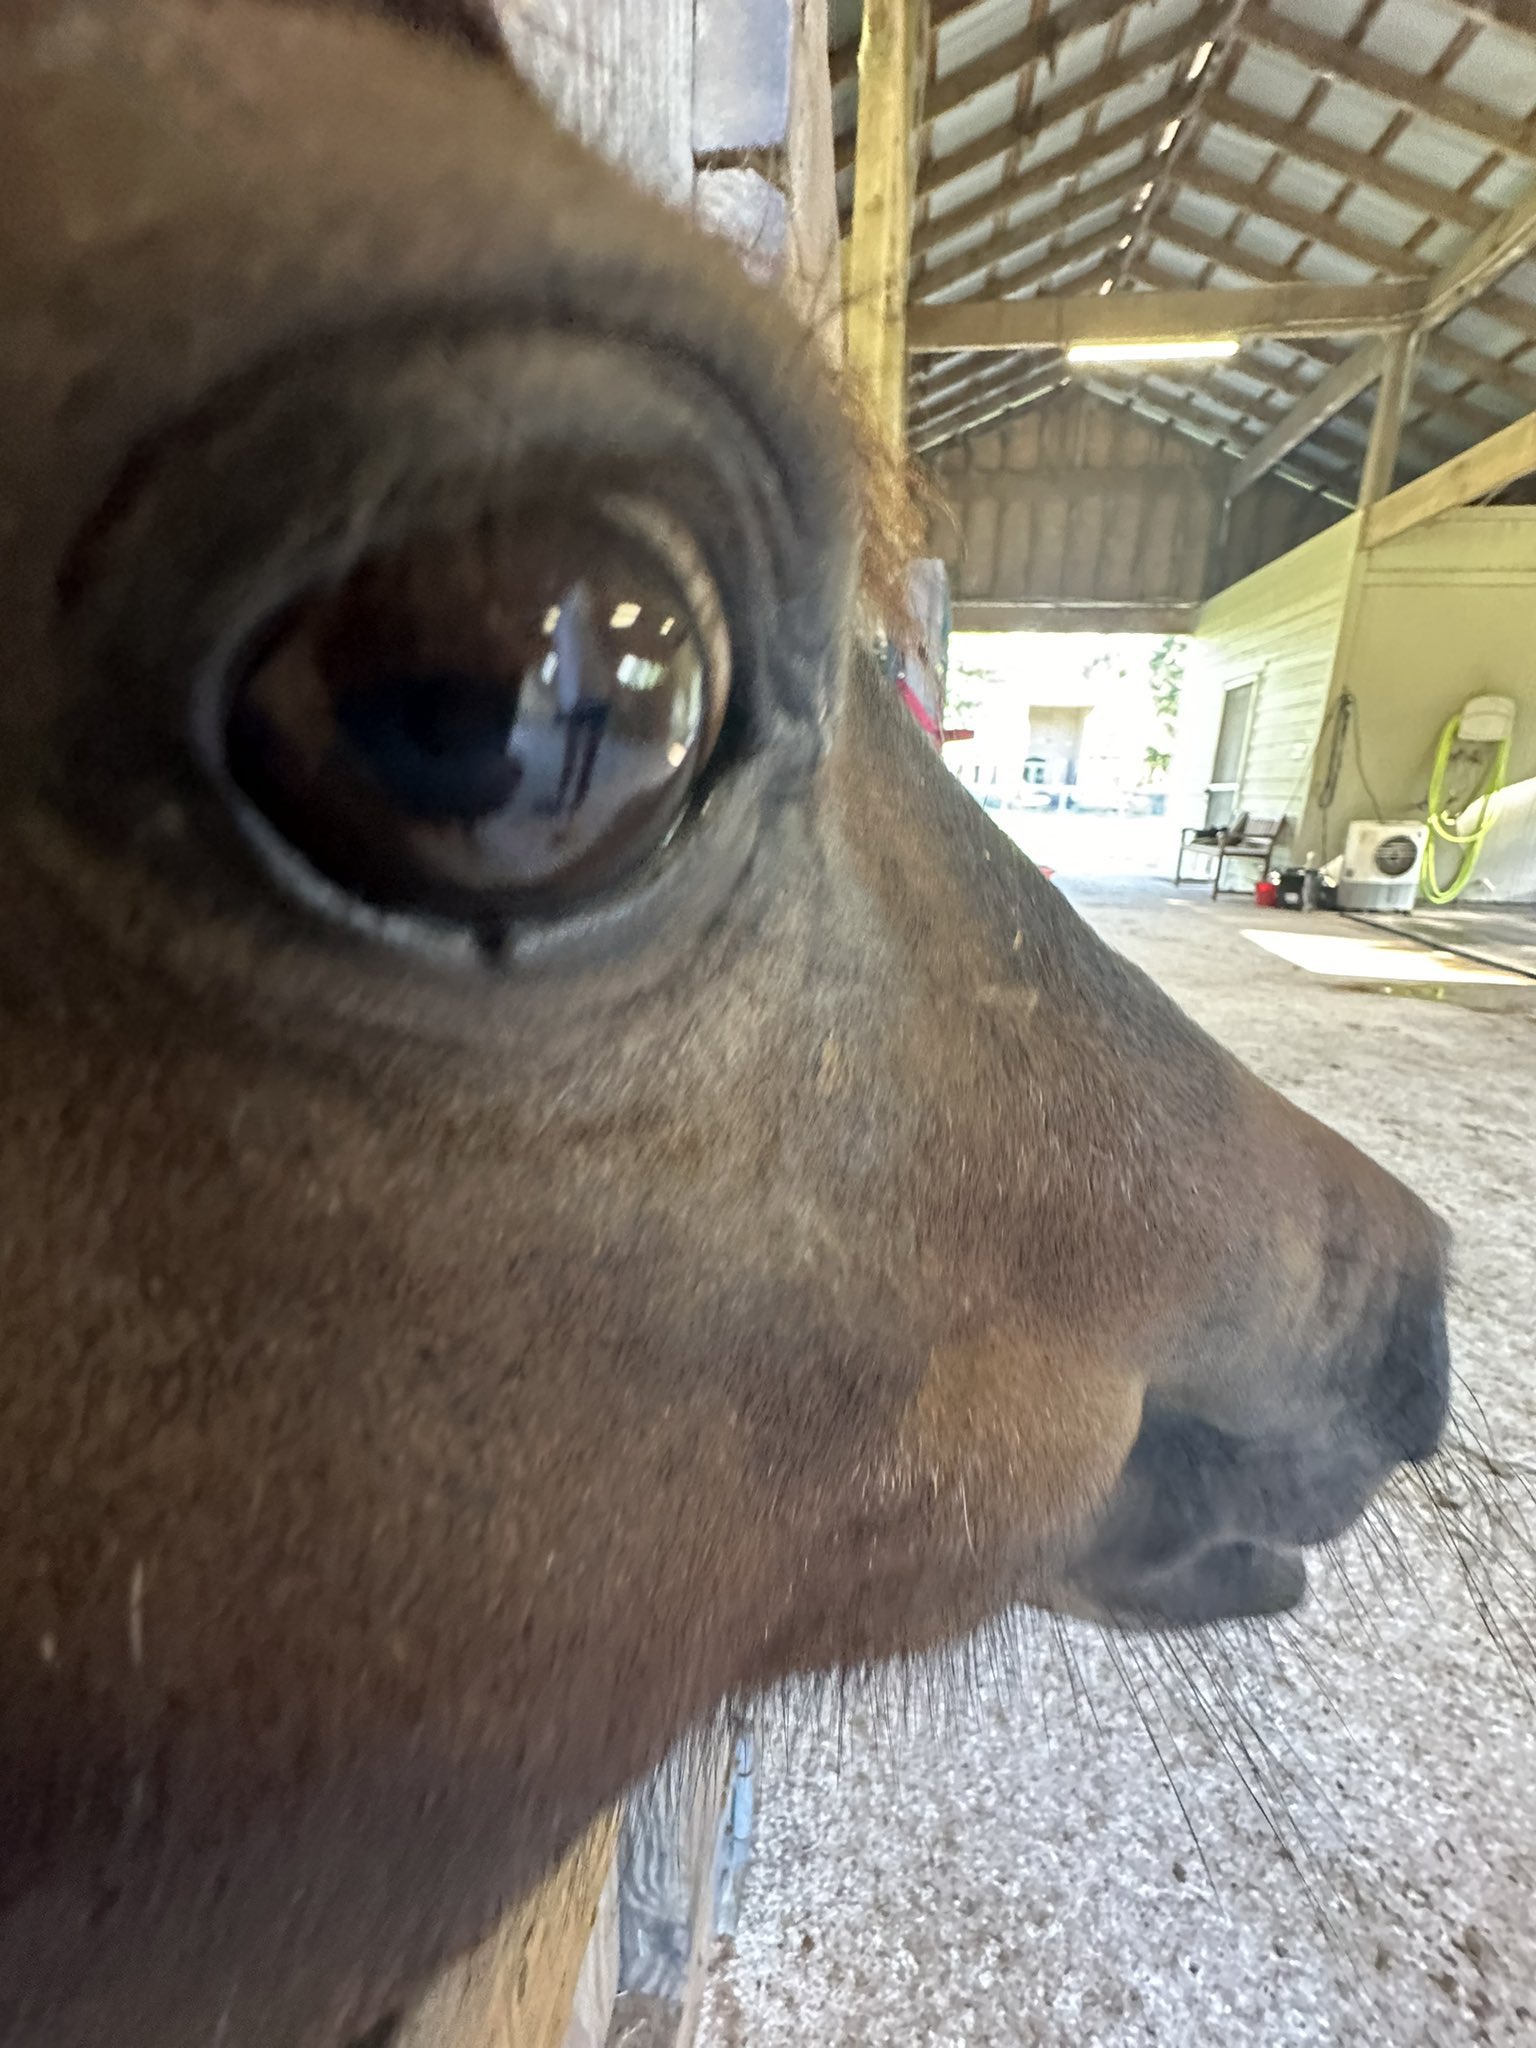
<point x="484" y="724"/>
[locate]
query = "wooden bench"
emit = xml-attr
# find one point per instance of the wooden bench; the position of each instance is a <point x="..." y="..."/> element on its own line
<point x="1244" y="839"/>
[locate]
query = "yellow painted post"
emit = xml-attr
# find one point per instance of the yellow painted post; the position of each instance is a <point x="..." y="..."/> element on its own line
<point x="880" y="241"/>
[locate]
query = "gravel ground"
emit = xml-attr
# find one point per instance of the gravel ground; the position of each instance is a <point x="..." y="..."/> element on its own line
<point x="1320" y="1833"/>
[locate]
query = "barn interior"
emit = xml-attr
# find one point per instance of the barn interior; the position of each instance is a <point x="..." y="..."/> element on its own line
<point x="1215" y="321"/>
<point x="1220" y="323"/>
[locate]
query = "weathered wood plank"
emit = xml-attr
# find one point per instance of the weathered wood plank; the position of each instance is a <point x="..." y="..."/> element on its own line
<point x="1501" y="460"/>
<point x="1275" y="309"/>
<point x="880" y="246"/>
<point x="517" y="1988"/>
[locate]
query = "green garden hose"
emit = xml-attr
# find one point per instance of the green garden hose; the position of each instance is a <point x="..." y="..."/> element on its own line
<point x="1443" y="818"/>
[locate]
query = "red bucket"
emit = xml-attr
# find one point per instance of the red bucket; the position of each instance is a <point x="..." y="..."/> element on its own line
<point x="1266" y="894"/>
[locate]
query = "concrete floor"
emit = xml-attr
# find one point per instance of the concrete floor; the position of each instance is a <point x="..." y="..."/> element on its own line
<point x="1322" y="1833"/>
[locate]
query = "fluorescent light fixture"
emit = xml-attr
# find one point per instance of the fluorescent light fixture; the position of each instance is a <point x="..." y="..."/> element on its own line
<point x="624" y="616"/>
<point x="1152" y="351"/>
<point x="1198" y="62"/>
<point x="1165" y="140"/>
<point x="1145" y="193"/>
<point x="1124" y="242"/>
<point x="1106" y="287"/>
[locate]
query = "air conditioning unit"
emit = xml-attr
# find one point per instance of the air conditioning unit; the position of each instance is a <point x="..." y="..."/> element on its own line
<point x="1381" y="864"/>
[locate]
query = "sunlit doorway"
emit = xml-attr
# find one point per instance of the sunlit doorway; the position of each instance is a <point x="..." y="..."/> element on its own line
<point x="1072" y="740"/>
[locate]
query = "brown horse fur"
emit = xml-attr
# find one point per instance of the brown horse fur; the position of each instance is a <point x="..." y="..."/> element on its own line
<point x="429" y="1380"/>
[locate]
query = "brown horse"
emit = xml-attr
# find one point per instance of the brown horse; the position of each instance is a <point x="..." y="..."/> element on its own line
<point x="487" y="1277"/>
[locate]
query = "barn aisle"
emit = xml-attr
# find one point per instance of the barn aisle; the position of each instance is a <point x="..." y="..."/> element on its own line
<point x="1323" y="1834"/>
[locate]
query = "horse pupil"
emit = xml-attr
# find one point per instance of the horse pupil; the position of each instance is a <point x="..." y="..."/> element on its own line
<point x="438" y="744"/>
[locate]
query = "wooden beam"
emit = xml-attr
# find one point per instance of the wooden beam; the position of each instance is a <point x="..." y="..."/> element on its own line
<point x="1309" y="145"/>
<point x="879" y="251"/>
<point x="1173" y="412"/>
<point x="1248" y="264"/>
<point x="1178" y="143"/>
<point x="1491" y="466"/>
<point x="1501" y="245"/>
<point x="1081" y="97"/>
<point x="1012" y="374"/>
<point x="1278" y="310"/>
<point x="1024" y="235"/>
<point x="979" y="616"/>
<point x="1333" y="59"/>
<point x="844" y="60"/>
<point x="1380" y="466"/>
<point x="968" y="374"/>
<point x="1200" y="176"/>
<point x="1137" y="131"/>
<point x="1511" y="14"/>
<point x="1338" y="388"/>
<point x="1042" y="39"/>
<point x="1481" y="369"/>
<point x="988" y="410"/>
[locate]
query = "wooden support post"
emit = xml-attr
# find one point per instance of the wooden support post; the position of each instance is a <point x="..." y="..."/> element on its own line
<point x="1396" y="388"/>
<point x="879" y="250"/>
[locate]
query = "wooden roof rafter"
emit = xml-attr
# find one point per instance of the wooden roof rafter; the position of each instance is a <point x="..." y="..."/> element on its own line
<point x="1364" y="172"/>
<point x="1329" y="57"/>
<point x="1040" y="39"/>
<point x="1180" y="412"/>
<point x="1510" y="14"/>
<point x="1228" y="255"/>
<point x="1017" y="240"/>
<point x="1087" y="94"/>
<point x="1136" y="131"/>
<point x="990" y="408"/>
<point x="1177" y="139"/>
<point x="1307" y="144"/>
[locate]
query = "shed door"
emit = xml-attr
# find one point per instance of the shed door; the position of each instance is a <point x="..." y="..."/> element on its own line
<point x="1231" y="745"/>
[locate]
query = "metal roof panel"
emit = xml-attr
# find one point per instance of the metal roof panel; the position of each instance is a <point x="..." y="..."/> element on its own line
<point x="1370" y="212"/>
<point x="1268" y="240"/>
<point x="1181" y="262"/>
<point x="1239" y="155"/>
<point x="1500" y="70"/>
<point x="1484" y="331"/>
<point x="1506" y="183"/>
<point x="1431" y="150"/>
<point x="1357" y="119"/>
<point x="1305" y="184"/>
<point x="1413" y="34"/>
<point x="1131" y="99"/>
<point x="1270" y="80"/>
<point x="1330" y="17"/>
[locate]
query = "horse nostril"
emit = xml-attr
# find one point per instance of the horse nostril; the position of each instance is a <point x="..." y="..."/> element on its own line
<point x="1410" y="1393"/>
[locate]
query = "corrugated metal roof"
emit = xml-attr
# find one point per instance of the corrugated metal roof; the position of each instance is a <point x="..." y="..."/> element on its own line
<point x="1335" y="141"/>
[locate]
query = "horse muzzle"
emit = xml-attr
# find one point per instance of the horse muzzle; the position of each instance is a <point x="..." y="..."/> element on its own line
<point x="1207" y="1524"/>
